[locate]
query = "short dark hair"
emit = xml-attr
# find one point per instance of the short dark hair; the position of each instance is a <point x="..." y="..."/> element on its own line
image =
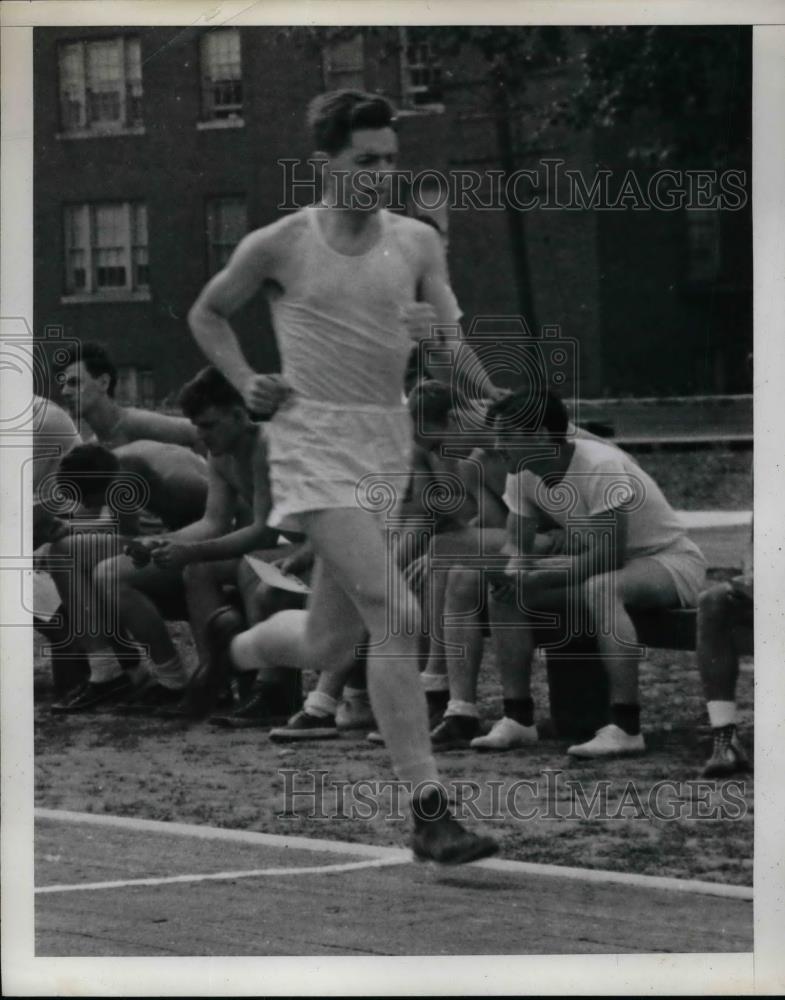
<point x="431" y="400"/>
<point x="94" y="357"/>
<point x="332" y="117"/>
<point x="88" y="470"/>
<point x="208" y="388"/>
<point x="524" y="410"/>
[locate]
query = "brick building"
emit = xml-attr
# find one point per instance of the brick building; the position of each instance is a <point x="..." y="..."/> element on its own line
<point x="156" y="149"/>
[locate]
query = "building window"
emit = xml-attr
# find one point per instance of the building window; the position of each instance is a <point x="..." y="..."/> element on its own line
<point x="344" y="64"/>
<point x="421" y="73"/>
<point x="135" y="386"/>
<point x="227" y="223"/>
<point x="222" y="76"/>
<point x="703" y="245"/>
<point x="100" y="85"/>
<point x="106" y="249"/>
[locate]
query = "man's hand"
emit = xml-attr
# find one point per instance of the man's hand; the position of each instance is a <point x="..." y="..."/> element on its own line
<point x="296" y="562"/>
<point x="263" y="394"/>
<point x="419" y="318"/>
<point x="172" y="555"/>
<point x="493" y="393"/>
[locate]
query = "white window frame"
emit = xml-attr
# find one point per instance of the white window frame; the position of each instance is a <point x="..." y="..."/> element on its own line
<point x="342" y="58"/>
<point x="408" y="89"/>
<point x="92" y="292"/>
<point x="87" y="128"/>
<point x="208" y="116"/>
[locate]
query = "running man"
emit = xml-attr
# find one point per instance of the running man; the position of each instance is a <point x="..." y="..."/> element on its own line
<point x="341" y="279"/>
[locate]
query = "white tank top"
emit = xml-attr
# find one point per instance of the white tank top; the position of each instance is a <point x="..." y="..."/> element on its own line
<point x="338" y="322"/>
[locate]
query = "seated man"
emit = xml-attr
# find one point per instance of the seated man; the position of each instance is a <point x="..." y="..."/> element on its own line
<point x="171" y="482"/>
<point x="625" y="548"/>
<point x="206" y="554"/>
<point x="88" y="379"/>
<point x="721" y="609"/>
<point x="458" y="616"/>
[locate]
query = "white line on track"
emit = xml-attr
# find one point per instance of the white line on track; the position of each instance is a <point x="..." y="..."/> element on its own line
<point x="222" y="876"/>
<point x="394" y="854"/>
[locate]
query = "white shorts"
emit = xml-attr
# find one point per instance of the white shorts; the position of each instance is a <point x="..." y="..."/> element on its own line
<point x="326" y="455"/>
<point x="687" y="566"/>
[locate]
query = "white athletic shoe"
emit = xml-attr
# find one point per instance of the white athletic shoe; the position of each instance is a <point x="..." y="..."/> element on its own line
<point x="355" y="713"/>
<point x="375" y="737"/>
<point x="610" y="741"/>
<point x="506" y="734"/>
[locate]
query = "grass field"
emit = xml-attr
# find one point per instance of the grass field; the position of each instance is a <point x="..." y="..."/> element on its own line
<point x="193" y="772"/>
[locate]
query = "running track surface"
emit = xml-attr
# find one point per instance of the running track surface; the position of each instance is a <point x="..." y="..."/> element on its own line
<point x="109" y="886"/>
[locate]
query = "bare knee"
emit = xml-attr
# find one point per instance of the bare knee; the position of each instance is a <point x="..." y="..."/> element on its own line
<point x="599" y="593"/>
<point x="463" y="588"/>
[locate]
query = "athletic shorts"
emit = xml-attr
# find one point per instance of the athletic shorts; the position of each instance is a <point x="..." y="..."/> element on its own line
<point x="687" y="566"/>
<point x="324" y="456"/>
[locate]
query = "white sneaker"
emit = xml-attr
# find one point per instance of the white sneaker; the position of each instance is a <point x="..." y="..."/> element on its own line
<point x="355" y="713"/>
<point x="375" y="737"/>
<point x="506" y="734"/>
<point x="610" y="741"/>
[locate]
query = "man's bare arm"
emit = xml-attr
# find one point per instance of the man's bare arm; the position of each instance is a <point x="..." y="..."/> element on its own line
<point x="434" y="288"/>
<point x="251" y="264"/>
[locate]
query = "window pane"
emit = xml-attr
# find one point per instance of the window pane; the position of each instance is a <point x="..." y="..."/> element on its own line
<point x="139" y="224"/>
<point x="109" y="225"/>
<point x="105" y="80"/>
<point x="133" y="82"/>
<point x="222" y="88"/>
<point x="72" y="87"/>
<point x="227" y="223"/>
<point x="345" y="63"/>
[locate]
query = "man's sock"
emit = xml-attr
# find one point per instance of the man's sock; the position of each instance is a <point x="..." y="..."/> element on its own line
<point x="437" y="701"/>
<point x="721" y="713"/>
<point x="467" y="709"/>
<point x="520" y="710"/>
<point x="103" y="667"/>
<point x="320" y="705"/>
<point x="171" y="674"/>
<point x="627" y="717"/>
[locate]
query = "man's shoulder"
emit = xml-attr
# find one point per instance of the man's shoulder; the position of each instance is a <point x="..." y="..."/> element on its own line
<point x="413" y="232"/>
<point x="591" y="451"/>
<point x="279" y="235"/>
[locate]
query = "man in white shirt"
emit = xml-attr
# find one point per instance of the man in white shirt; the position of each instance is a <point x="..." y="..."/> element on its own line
<point x="625" y="548"/>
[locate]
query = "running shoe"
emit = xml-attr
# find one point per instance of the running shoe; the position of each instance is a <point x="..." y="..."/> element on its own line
<point x="506" y="734"/>
<point x="610" y="741"/>
<point x="439" y="837"/>
<point x="455" y="732"/>
<point x="355" y="713"/>
<point x="727" y="758"/>
<point x="262" y="708"/>
<point x="305" y="726"/>
<point x="93" y="693"/>
<point x="148" y="699"/>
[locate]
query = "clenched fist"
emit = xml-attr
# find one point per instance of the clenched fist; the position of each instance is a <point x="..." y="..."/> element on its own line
<point x="263" y="394"/>
<point x="419" y="318"/>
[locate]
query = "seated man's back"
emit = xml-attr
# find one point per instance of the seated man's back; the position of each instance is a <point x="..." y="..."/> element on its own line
<point x="175" y="476"/>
